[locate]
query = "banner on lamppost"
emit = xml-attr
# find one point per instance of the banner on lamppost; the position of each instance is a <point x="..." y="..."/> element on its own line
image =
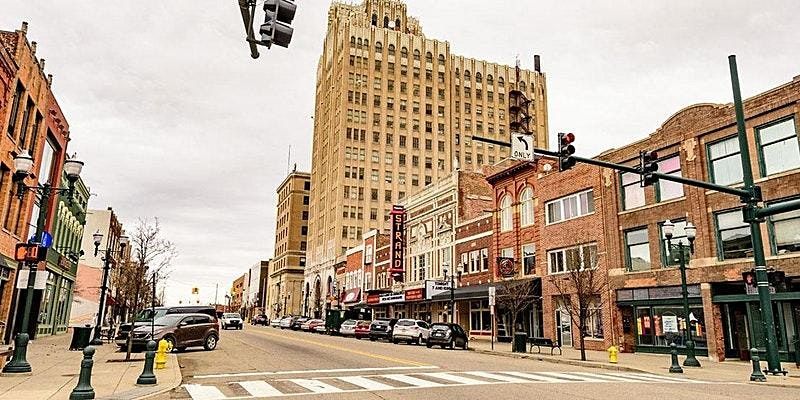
<point x="398" y="242"/>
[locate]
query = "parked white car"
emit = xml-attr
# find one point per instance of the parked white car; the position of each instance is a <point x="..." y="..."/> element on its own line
<point x="410" y="331"/>
<point x="348" y="328"/>
<point x="231" y="320"/>
<point x="275" y="322"/>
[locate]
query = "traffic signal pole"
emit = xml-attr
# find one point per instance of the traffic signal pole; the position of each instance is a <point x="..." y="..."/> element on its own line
<point x="753" y="213"/>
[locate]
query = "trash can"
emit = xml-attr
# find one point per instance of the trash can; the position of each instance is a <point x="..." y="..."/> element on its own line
<point x="520" y="342"/>
<point x="81" y="336"/>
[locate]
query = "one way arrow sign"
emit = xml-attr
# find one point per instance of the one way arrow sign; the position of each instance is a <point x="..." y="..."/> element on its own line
<point x="522" y="146"/>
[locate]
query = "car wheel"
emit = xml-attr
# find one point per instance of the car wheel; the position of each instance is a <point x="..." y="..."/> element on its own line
<point x="465" y="346"/>
<point x="442" y="345"/>
<point x="428" y="345"/>
<point x="452" y="344"/>
<point x="418" y="340"/>
<point x="210" y="343"/>
<point x="170" y="342"/>
<point x="371" y="339"/>
<point x="180" y="349"/>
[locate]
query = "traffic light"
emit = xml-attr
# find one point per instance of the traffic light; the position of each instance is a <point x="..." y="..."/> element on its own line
<point x="519" y="117"/>
<point x="277" y="19"/>
<point x="565" y="151"/>
<point x="647" y="165"/>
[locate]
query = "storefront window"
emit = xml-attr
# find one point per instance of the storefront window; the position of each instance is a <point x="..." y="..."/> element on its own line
<point x="644" y="329"/>
<point x="662" y="325"/>
<point x="480" y="318"/>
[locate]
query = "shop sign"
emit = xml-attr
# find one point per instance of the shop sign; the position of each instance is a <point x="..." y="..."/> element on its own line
<point x="432" y="288"/>
<point x="373" y="299"/>
<point x="351" y="295"/>
<point x="506" y="266"/>
<point x="415" y="294"/>
<point x="391" y="298"/>
<point x="398" y="242"/>
<point x="669" y="323"/>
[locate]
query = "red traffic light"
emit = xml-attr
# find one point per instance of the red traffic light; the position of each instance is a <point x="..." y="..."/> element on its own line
<point x="567" y="138"/>
<point x="650" y="155"/>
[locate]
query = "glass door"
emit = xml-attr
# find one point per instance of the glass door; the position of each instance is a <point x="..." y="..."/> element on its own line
<point x="564" y="327"/>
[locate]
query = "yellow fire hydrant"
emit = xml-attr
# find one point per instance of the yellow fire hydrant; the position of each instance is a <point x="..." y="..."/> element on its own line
<point x="161" y="354"/>
<point x="612" y="354"/>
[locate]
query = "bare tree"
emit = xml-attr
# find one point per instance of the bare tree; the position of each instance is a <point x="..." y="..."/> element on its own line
<point x="151" y="255"/>
<point x="580" y="288"/>
<point x="515" y="295"/>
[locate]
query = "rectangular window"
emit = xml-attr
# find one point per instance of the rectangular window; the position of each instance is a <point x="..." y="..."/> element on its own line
<point x="785" y="232"/>
<point x="632" y="191"/>
<point x="12" y="120"/>
<point x="733" y="236"/>
<point x="638" y="250"/>
<point x="666" y="190"/>
<point x="672" y="254"/>
<point x="594" y="319"/>
<point x="779" y="147"/>
<point x="528" y="258"/>
<point x="569" y="207"/>
<point x="724" y="161"/>
<point x="579" y="257"/>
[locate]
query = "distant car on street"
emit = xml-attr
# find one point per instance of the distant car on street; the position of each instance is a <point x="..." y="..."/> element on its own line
<point x="296" y="324"/>
<point x="362" y="329"/>
<point x="447" y="335"/>
<point x="320" y="328"/>
<point x="309" y="325"/>
<point x="275" y="323"/>
<point x="348" y="327"/>
<point x="410" y="331"/>
<point x="381" y="329"/>
<point x="179" y="330"/>
<point x="287" y="321"/>
<point x="260" y="319"/>
<point x="231" y="320"/>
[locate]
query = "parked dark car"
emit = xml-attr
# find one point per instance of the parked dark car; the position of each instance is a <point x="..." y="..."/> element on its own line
<point x="362" y="329"/>
<point x="382" y="329"/>
<point x="260" y="319"/>
<point x="180" y="330"/>
<point x="447" y="335"/>
<point x="144" y="318"/>
<point x="297" y="322"/>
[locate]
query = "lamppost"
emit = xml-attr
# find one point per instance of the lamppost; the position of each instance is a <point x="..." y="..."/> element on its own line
<point x="23" y="163"/>
<point x="107" y="254"/>
<point x="691" y="232"/>
<point x="452" y="277"/>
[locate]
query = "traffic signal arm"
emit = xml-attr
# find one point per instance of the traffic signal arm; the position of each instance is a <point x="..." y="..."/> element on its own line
<point x="785" y="206"/>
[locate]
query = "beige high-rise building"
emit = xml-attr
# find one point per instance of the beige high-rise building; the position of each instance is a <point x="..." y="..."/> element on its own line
<point x="396" y="111"/>
<point x="285" y="283"/>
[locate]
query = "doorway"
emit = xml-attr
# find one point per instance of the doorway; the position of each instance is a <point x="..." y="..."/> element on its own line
<point x="563" y="328"/>
<point x="737" y="338"/>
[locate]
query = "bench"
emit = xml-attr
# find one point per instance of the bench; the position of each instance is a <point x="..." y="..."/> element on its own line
<point x="540" y="342"/>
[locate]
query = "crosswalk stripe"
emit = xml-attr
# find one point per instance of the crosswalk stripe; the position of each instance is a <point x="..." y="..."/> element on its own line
<point x="572" y="377"/>
<point x="454" y="378"/>
<point x="608" y="378"/>
<point x="260" y="388"/>
<point x="201" y="392"/>
<point x="642" y="377"/>
<point x="365" y="383"/>
<point x="412" y="380"/>
<point x="316" y="386"/>
<point x="533" y="377"/>
<point x="498" y="377"/>
<point x="660" y="377"/>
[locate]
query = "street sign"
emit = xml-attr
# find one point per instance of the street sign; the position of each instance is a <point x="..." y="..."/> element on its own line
<point x="47" y="239"/>
<point x="492" y="296"/>
<point x="522" y="146"/>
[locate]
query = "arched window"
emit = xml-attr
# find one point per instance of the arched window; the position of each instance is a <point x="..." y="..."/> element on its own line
<point x="506" y="214"/>
<point x="391" y="49"/>
<point x="526" y="207"/>
<point x="429" y="57"/>
<point x="416" y="55"/>
<point x="441" y="59"/>
<point x="360" y="43"/>
<point x="330" y="286"/>
<point x="374" y="19"/>
<point x="404" y="52"/>
<point x="397" y="24"/>
<point x="378" y="47"/>
<point x="385" y="22"/>
<point x="366" y="43"/>
<point x="501" y="81"/>
<point x="467" y="75"/>
<point x="478" y="77"/>
<point x="458" y="74"/>
<point x="352" y="40"/>
<point x="489" y="80"/>
<point x="522" y="87"/>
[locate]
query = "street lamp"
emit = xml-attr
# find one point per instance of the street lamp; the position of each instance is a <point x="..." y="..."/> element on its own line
<point x="459" y="271"/>
<point x="23" y="164"/>
<point x="107" y="254"/>
<point x="691" y="232"/>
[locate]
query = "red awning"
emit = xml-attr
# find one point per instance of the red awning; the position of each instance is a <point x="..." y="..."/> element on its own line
<point x="351" y="296"/>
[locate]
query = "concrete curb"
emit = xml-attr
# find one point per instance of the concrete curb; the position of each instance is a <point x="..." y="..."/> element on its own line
<point x="144" y="392"/>
<point x="589" y="364"/>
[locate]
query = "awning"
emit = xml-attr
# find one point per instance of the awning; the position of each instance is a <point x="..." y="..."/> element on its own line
<point x="465" y="292"/>
<point x="351" y="295"/>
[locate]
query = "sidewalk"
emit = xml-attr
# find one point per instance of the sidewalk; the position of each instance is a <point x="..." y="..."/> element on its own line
<point x="728" y="371"/>
<point x="56" y="369"/>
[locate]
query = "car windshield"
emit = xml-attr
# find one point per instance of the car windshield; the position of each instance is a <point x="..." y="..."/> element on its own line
<point x="231" y="315"/>
<point x="436" y="327"/>
<point x="405" y="322"/>
<point x="147" y="315"/>
<point x="168" y="320"/>
<point x="349" y="322"/>
<point x="364" y="323"/>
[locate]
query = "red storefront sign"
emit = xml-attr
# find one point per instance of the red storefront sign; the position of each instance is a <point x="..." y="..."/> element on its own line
<point x="373" y="299"/>
<point x="415" y="294"/>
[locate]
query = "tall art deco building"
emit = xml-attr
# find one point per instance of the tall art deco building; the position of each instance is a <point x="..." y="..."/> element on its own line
<point x="396" y="111"/>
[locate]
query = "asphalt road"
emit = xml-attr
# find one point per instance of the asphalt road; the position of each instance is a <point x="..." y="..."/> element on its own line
<point x="264" y="362"/>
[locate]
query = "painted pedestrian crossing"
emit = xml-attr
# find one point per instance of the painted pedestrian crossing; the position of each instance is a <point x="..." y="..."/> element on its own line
<point x="414" y="380"/>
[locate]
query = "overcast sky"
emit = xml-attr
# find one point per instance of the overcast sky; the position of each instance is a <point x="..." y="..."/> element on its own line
<point x="175" y="120"/>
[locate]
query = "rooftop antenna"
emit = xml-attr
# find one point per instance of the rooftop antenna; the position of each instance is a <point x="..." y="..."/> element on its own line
<point x="289" y="160"/>
<point x="516" y="71"/>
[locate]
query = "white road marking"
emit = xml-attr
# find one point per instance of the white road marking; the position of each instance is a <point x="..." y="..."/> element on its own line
<point x="608" y="378"/>
<point x="412" y="380"/>
<point x="637" y="375"/>
<point x="316" y="386"/>
<point x="498" y="377"/>
<point x="260" y="389"/>
<point x="572" y="377"/>
<point x="365" y="383"/>
<point x="454" y="378"/>
<point x="312" y="371"/>
<point x="534" y="377"/>
<point x="200" y="392"/>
